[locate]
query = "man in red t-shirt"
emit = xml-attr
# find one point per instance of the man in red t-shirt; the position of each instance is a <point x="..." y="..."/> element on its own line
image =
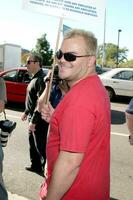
<point x="78" y="148"/>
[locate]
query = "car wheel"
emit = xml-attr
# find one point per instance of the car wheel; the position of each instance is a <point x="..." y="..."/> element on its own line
<point x="111" y="93"/>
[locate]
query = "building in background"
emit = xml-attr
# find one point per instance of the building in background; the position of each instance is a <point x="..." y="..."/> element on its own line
<point x="10" y="56"/>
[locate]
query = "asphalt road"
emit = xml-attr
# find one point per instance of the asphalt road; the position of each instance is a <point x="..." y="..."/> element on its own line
<point x="27" y="184"/>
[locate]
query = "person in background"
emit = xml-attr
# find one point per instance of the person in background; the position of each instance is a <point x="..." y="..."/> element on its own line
<point x="37" y="126"/>
<point x="3" y="98"/>
<point x="78" y="147"/>
<point x="129" y="120"/>
<point x="59" y="89"/>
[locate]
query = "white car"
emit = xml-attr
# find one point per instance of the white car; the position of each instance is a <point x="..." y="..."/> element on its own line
<point x="118" y="81"/>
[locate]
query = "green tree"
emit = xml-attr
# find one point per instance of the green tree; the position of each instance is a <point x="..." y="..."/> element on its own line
<point x="43" y="49"/>
<point x="111" y="54"/>
<point x="129" y="63"/>
<point x="24" y="55"/>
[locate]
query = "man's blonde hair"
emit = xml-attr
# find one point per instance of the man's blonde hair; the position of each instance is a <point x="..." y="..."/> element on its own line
<point x="89" y="38"/>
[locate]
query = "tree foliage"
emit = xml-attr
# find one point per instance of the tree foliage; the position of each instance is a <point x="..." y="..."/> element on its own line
<point x="111" y="53"/>
<point x="129" y="63"/>
<point x="24" y="55"/>
<point x="43" y="49"/>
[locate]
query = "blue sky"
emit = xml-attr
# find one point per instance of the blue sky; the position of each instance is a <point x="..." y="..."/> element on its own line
<point x="23" y="27"/>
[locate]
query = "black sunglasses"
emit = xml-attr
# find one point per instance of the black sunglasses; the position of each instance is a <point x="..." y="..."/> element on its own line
<point x="70" y="57"/>
<point x="29" y="61"/>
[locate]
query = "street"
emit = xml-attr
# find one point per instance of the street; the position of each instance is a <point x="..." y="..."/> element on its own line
<point x="27" y="184"/>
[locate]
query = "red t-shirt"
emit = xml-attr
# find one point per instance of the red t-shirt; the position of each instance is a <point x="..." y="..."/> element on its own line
<point x="81" y="123"/>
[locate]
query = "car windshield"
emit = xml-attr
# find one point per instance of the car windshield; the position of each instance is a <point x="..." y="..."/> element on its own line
<point x="10" y="76"/>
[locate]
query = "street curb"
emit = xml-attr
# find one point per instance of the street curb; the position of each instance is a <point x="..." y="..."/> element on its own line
<point x="15" y="197"/>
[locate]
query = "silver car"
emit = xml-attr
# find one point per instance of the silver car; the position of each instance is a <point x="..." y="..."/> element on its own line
<point x="118" y="81"/>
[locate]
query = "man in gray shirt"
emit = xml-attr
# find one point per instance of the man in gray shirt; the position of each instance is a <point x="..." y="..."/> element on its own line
<point x="3" y="192"/>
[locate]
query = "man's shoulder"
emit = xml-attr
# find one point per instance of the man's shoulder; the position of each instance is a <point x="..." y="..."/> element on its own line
<point x="40" y="75"/>
<point x="37" y="80"/>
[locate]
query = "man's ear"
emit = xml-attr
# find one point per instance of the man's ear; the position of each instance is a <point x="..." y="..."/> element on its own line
<point x="92" y="60"/>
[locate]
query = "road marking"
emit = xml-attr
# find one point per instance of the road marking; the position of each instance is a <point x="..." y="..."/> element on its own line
<point x="13" y="116"/>
<point x="119" y="134"/>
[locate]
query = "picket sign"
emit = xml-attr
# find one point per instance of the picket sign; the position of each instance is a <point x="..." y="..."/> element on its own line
<point x="69" y="9"/>
<point x="83" y="10"/>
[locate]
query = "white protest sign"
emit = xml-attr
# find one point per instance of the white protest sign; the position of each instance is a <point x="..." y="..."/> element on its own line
<point x="70" y="9"/>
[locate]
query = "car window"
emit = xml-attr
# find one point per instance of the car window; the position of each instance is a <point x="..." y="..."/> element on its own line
<point x="124" y="75"/>
<point x="26" y="78"/>
<point x="10" y="76"/>
<point x="23" y="76"/>
<point x="99" y="69"/>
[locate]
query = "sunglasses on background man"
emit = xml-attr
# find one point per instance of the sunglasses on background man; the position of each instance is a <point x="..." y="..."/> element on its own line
<point x="30" y="61"/>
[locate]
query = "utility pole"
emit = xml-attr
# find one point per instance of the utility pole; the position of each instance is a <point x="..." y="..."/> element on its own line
<point x="117" y="61"/>
<point x="104" y="34"/>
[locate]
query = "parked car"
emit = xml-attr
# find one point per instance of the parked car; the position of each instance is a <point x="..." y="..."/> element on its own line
<point x="17" y="80"/>
<point x="118" y="81"/>
<point x="101" y="70"/>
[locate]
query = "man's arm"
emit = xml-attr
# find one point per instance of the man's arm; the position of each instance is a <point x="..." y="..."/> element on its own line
<point x="64" y="173"/>
<point x="129" y="121"/>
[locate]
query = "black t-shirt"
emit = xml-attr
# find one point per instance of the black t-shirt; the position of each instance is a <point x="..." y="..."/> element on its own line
<point x="34" y="90"/>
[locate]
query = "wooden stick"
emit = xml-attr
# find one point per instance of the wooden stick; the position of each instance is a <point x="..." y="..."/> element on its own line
<point x="54" y="62"/>
<point x="44" y="98"/>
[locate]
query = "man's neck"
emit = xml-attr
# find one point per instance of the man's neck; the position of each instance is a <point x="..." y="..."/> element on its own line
<point x="35" y="71"/>
<point x="71" y="83"/>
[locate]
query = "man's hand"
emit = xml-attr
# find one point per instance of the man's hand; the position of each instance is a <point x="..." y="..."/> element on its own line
<point x="47" y="112"/>
<point x="23" y="117"/>
<point x="32" y="127"/>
